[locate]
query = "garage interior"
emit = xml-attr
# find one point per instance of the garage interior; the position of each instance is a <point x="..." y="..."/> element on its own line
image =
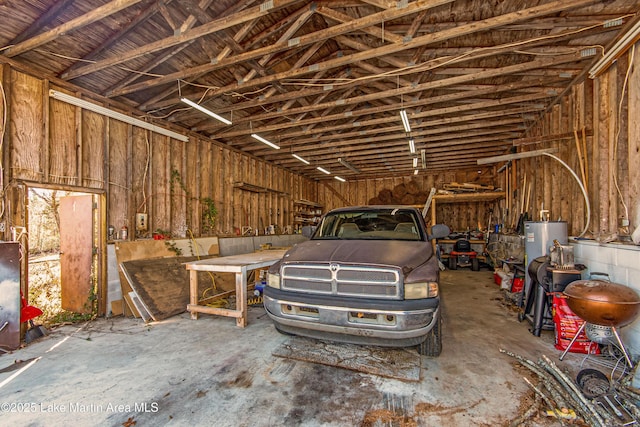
<point x="189" y="129"/>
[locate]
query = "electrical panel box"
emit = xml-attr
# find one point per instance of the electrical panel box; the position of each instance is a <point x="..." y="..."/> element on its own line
<point x="141" y="222"/>
<point x="10" y="295"/>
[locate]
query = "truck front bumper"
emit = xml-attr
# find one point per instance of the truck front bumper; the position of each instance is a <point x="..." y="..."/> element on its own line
<point x="357" y="325"/>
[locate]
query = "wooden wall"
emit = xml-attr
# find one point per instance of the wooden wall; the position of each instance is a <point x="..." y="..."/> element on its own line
<point x="50" y="142"/>
<point x="606" y="109"/>
<point x="54" y="144"/>
<point x="458" y="216"/>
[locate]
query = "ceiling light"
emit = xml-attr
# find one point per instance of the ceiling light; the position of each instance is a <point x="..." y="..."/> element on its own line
<point x="264" y="141"/>
<point x="340" y="179"/>
<point x="415" y="172"/>
<point x="78" y="102"/>
<point x="323" y="170"/>
<point x="415" y="162"/>
<point x="412" y="146"/>
<point x="423" y="154"/>
<point x="405" y="121"/>
<point x="306" y="162"/>
<point x="348" y="165"/>
<point x="204" y="110"/>
<point x="620" y="47"/>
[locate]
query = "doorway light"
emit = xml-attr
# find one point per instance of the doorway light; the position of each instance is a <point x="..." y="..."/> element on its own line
<point x="405" y="121"/>
<point x="265" y="141"/>
<point x="83" y="103"/>
<point x="205" y="110"/>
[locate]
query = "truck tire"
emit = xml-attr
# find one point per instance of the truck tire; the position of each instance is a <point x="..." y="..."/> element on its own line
<point x="432" y="346"/>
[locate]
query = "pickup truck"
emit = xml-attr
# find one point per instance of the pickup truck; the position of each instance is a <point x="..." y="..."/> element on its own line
<point x="368" y="275"/>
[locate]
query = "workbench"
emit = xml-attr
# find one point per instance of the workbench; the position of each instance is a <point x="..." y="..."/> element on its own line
<point x="238" y="264"/>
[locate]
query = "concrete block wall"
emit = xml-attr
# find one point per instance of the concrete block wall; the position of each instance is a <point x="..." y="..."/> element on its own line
<point x="508" y="245"/>
<point x="244" y="245"/>
<point x="622" y="263"/>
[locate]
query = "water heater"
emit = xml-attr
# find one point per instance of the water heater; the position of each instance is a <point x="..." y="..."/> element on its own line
<point x="538" y="238"/>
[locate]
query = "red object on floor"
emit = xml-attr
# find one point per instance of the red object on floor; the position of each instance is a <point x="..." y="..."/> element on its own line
<point x="28" y="312"/>
<point x="517" y="285"/>
<point x="567" y="324"/>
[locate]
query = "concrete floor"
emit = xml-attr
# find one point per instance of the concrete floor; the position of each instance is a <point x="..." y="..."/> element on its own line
<point x="209" y="372"/>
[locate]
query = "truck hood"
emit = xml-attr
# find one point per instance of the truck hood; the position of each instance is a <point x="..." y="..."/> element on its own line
<point x="404" y="254"/>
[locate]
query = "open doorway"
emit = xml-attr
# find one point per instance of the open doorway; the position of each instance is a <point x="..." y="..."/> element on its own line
<point x="63" y="262"/>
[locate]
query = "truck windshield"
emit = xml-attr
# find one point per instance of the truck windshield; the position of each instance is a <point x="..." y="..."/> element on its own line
<point x="384" y="224"/>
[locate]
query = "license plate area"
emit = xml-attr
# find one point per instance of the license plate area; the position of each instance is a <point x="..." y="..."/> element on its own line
<point x="366" y="318"/>
<point x="300" y="310"/>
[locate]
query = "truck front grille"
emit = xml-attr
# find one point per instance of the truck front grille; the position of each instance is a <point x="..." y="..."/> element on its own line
<point x="344" y="280"/>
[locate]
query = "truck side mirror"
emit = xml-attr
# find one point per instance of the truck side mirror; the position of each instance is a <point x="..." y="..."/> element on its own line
<point x="438" y="231"/>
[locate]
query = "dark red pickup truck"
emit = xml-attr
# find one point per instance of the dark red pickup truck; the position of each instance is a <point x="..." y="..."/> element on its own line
<point x="368" y="275"/>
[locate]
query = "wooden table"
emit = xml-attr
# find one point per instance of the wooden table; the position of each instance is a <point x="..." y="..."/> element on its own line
<point x="238" y="264"/>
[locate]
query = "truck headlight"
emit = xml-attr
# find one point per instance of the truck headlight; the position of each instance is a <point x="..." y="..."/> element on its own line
<point x="420" y="290"/>
<point x="273" y="280"/>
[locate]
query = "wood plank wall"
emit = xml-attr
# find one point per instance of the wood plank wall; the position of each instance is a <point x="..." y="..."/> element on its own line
<point x="53" y="144"/>
<point x="458" y="216"/>
<point x="49" y="142"/>
<point x="606" y="109"/>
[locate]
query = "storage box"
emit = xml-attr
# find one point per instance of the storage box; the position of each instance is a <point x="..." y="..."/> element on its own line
<point x="517" y="284"/>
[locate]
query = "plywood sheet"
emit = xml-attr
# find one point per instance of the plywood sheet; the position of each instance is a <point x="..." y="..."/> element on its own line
<point x="162" y="284"/>
<point x="399" y="363"/>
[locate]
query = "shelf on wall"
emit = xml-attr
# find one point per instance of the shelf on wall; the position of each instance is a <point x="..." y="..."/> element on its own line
<point x="256" y="188"/>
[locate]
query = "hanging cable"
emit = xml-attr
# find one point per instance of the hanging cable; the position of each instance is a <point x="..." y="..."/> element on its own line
<point x="584" y="191"/>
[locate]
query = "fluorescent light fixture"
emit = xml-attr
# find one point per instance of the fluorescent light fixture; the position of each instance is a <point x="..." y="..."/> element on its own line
<point x="323" y="170"/>
<point x="348" y="165"/>
<point x="405" y="121"/>
<point x="415" y="172"/>
<point x="415" y="162"/>
<point x="340" y="179"/>
<point x="206" y="111"/>
<point x="264" y="141"/>
<point x="423" y="154"/>
<point x="621" y="46"/>
<point x="306" y="162"/>
<point x="412" y="146"/>
<point x="69" y="99"/>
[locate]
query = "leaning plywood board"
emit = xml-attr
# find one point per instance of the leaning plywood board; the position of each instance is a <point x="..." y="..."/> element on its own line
<point x="149" y="249"/>
<point x="140" y="249"/>
<point x="162" y="284"/>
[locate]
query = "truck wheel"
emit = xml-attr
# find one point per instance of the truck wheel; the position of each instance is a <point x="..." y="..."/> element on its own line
<point x="432" y="346"/>
<point x="475" y="264"/>
<point x="452" y="262"/>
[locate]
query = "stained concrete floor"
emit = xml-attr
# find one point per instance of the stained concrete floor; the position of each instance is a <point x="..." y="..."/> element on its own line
<point x="120" y="371"/>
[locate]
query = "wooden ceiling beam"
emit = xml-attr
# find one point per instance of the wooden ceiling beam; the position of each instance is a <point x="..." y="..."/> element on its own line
<point x="118" y="35"/>
<point x="393" y="119"/>
<point x="486" y="73"/>
<point x="96" y="14"/>
<point x="484" y="25"/>
<point x="360" y="158"/>
<point x="306" y="39"/>
<point x="439" y="125"/>
<point x="212" y="27"/>
<point x="43" y="21"/>
<point x="529" y="85"/>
